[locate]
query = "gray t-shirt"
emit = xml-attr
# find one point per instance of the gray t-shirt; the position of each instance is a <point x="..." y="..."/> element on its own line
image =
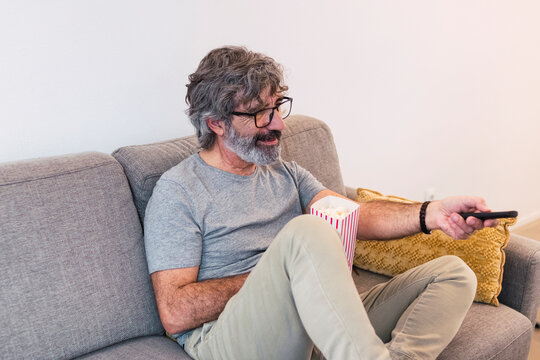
<point x="199" y="215"/>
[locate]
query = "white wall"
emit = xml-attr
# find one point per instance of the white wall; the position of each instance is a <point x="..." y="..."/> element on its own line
<point x="419" y="94"/>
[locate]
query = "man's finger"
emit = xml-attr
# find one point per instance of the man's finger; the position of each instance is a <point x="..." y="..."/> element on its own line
<point x="477" y="203"/>
<point x="475" y="223"/>
<point x="458" y="232"/>
<point x="491" y="223"/>
<point x="460" y="223"/>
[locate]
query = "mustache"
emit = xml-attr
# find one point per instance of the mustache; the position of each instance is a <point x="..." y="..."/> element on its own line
<point x="273" y="134"/>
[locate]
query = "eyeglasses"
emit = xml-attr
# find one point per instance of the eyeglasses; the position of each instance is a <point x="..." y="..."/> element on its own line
<point x="264" y="117"/>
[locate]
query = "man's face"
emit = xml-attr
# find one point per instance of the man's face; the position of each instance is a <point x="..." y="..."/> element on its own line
<point x="255" y="145"/>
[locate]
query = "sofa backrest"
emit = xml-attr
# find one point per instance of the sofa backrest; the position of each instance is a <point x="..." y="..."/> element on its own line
<point x="306" y="140"/>
<point x="73" y="274"/>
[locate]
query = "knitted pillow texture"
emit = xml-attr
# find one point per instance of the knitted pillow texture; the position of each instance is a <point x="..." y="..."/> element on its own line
<point x="483" y="251"/>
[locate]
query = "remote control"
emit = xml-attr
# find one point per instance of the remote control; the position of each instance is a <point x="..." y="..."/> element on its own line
<point x="491" y="215"/>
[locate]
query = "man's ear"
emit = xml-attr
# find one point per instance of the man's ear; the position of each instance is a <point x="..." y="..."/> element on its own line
<point x="216" y="126"/>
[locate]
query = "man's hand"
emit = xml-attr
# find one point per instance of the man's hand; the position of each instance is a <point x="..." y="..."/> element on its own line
<point x="444" y="215"/>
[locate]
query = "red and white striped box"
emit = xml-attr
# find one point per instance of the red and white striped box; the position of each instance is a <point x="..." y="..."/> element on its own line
<point x="345" y="225"/>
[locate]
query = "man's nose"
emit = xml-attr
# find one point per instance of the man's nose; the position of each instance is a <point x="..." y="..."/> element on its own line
<point x="277" y="122"/>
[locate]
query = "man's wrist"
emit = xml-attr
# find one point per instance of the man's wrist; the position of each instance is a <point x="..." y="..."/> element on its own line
<point x="431" y="215"/>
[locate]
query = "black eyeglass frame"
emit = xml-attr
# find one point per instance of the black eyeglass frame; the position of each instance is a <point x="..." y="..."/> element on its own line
<point x="282" y="101"/>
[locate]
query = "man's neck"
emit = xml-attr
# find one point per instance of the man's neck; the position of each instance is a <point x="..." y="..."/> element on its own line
<point x="219" y="156"/>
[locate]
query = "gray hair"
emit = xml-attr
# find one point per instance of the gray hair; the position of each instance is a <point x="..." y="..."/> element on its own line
<point x="228" y="77"/>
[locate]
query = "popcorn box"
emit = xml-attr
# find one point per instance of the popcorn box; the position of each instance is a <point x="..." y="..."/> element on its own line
<point x="345" y="224"/>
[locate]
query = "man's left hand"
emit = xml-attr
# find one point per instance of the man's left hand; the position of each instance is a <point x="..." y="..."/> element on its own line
<point x="444" y="215"/>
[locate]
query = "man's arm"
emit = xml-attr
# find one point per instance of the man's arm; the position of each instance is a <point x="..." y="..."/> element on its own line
<point x="183" y="303"/>
<point x="383" y="220"/>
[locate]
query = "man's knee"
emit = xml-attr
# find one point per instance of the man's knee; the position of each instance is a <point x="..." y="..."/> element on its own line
<point x="456" y="269"/>
<point x="311" y="226"/>
<point x="312" y="232"/>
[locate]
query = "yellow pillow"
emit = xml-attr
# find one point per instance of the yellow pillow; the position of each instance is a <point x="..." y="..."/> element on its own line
<point x="482" y="251"/>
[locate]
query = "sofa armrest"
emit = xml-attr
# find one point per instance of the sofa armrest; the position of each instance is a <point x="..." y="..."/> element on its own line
<point x="521" y="277"/>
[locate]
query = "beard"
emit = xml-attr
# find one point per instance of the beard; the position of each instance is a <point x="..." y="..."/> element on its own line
<point x="247" y="149"/>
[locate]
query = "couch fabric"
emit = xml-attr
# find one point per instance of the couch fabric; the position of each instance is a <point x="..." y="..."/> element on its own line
<point x="74" y="278"/>
<point x="519" y="289"/>
<point x="72" y="264"/>
<point x="143" y="348"/>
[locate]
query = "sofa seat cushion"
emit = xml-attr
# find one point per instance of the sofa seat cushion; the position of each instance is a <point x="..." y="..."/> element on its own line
<point x="498" y="332"/>
<point x="148" y="347"/>
<point x="492" y="333"/>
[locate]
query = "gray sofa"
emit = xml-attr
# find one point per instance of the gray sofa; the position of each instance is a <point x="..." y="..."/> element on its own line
<point x="73" y="273"/>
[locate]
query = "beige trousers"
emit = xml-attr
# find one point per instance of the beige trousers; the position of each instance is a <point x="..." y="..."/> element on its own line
<point x="301" y="293"/>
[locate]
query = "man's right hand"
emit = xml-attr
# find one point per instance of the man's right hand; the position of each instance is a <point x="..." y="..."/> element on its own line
<point x="444" y="215"/>
<point x="185" y="303"/>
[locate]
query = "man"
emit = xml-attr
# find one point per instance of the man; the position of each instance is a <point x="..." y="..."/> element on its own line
<point x="240" y="273"/>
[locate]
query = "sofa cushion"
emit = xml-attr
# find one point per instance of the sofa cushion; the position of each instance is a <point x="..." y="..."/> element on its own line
<point x="72" y="267"/>
<point x="306" y="140"/>
<point x="490" y="332"/>
<point x="144" y="348"/>
<point x="144" y="165"/>
<point x="310" y="143"/>
<point x="497" y="332"/>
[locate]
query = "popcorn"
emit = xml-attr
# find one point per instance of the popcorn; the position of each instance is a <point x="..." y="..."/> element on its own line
<point x="342" y="214"/>
<point x="338" y="213"/>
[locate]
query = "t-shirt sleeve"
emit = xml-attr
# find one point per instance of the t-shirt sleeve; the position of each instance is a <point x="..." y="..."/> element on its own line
<point x="308" y="186"/>
<point x="172" y="237"/>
